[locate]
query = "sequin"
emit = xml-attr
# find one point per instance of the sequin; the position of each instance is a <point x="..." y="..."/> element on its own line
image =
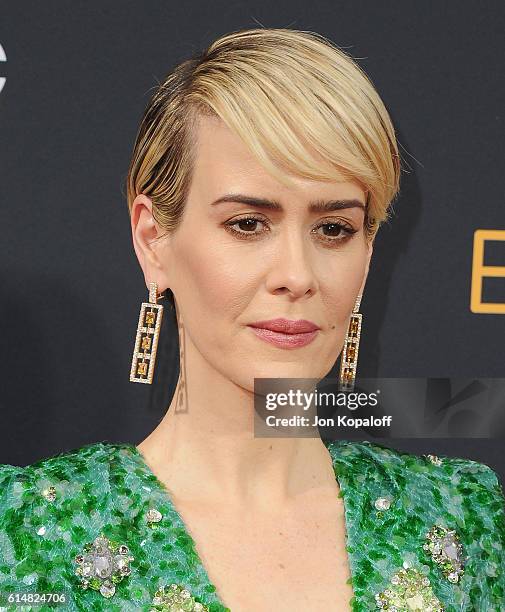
<point x="446" y="551"/>
<point x="176" y="598"/>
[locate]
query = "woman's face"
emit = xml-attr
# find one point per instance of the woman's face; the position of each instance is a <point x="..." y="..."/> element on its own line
<point x="231" y="264"/>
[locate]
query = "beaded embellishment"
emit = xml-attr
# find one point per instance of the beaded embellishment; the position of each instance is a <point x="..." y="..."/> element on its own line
<point x="49" y="493"/>
<point x="103" y="564"/>
<point x="434" y="459"/>
<point x="446" y="551"/>
<point x="383" y="503"/>
<point x="175" y="598"/>
<point x="408" y="591"/>
<point x="153" y="517"/>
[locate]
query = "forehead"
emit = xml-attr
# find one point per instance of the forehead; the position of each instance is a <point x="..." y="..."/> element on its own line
<point x="223" y="163"/>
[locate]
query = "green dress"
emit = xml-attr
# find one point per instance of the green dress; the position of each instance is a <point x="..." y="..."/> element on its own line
<point x="94" y="529"/>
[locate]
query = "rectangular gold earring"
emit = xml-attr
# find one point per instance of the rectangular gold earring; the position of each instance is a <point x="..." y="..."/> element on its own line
<point x="146" y="340"/>
<point x="349" y="358"/>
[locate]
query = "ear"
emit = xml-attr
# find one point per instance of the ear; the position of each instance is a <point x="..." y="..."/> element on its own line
<point x="145" y="231"/>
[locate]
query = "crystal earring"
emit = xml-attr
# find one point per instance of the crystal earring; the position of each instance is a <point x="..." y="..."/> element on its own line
<point x="146" y="341"/>
<point x="349" y="358"/>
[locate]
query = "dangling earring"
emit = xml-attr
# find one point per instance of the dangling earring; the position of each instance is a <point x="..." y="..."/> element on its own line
<point x="349" y="358"/>
<point x="146" y="341"/>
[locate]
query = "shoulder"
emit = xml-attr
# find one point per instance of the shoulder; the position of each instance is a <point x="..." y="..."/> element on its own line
<point x="456" y="470"/>
<point x="456" y="482"/>
<point x="45" y="507"/>
<point x="44" y="485"/>
<point x="463" y="495"/>
<point x="21" y="485"/>
<point x="65" y="478"/>
<point x="71" y="524"/>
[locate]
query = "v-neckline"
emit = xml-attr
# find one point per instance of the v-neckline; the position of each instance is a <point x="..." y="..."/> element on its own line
<point x="168" y="497"/>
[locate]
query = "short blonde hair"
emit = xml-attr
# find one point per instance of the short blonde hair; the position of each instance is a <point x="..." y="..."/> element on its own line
<point x="287" y="94"/>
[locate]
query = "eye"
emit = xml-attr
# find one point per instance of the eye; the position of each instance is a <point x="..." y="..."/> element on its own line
<point x="338" y="231"/>
<point x="246" y="225"/>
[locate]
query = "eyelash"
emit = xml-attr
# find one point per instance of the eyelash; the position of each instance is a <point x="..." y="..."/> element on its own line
<point x="244" y="235"/>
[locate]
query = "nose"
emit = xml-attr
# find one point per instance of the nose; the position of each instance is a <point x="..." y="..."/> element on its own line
<point x="291" y="270"/>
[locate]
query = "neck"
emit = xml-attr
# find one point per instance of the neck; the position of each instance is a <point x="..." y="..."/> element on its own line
<point x="204" y="448"/>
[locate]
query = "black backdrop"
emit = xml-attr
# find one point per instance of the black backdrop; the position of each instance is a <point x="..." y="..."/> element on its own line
<point x="77" y="78"/>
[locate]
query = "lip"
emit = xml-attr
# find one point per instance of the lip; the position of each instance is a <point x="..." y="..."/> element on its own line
<point x="285" y="333"/>
<point x="286" y="326"/>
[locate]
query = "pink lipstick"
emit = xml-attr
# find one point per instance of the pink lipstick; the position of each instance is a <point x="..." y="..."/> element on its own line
<point x="285" y="333"/>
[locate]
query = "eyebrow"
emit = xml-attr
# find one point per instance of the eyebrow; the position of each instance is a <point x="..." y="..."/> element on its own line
<point x="316" y="206"/>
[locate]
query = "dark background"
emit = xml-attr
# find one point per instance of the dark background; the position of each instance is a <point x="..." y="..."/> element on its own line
<point x="78" y="77"/>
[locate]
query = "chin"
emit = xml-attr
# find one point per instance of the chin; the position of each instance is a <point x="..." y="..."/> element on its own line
<point x="273" y="369"/>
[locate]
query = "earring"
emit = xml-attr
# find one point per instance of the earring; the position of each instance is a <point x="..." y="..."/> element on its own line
<point x="146" y="341"/>
<point x="349" y="358"/>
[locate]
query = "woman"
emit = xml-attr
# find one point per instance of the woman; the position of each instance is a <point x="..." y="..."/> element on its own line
<point x="259" y="178"/>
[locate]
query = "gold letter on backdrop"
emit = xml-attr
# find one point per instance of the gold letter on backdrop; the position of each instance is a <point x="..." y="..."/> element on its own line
<point x="479" y="270"/>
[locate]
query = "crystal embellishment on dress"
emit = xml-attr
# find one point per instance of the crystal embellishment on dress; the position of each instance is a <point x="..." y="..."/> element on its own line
<point x="434" y="459"/>
<point x="103" y="564"/>
<point x="175" y="598"/>
<point x="153" y="517"/>
<point x="383" y="503"/>
<point x="49" y="493"/>
<point x="409" y="590"/>
<point x="446" y="551"/>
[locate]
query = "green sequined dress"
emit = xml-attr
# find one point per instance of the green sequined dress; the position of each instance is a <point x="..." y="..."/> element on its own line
<point x="94" y="529"/>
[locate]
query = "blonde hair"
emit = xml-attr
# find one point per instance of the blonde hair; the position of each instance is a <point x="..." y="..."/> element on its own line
<point x="292" y="96"/>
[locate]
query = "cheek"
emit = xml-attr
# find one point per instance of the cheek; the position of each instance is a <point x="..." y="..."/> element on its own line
<point x="340" y="288"/>
<point x="211" y="284"/>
